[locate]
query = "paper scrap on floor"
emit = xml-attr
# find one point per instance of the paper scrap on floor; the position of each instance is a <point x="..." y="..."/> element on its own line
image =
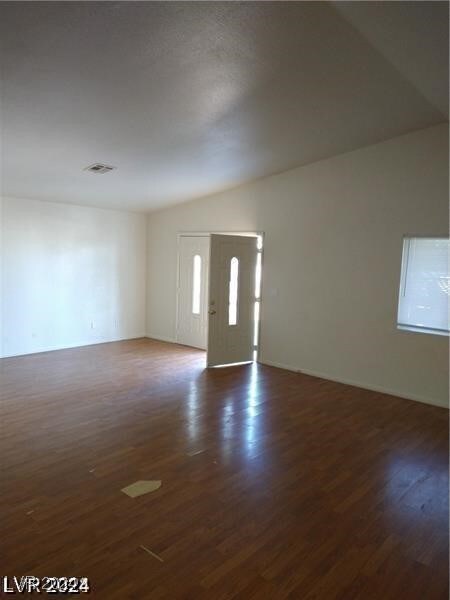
<point x="139" y="488"/>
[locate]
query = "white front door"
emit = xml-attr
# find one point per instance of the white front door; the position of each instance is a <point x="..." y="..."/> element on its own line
<point x="231" y="299"/>
<point x="193" y="269"/>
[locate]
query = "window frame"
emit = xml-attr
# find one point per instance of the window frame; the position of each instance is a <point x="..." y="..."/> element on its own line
<point x="230" y="282"/>
<point x="196" y="298"/>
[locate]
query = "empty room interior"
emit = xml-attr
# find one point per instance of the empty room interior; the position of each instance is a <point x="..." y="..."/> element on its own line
<point x="224" y="300"/>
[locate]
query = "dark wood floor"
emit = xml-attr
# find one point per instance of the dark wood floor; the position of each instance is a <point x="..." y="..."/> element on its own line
<point x="274" y="485"/>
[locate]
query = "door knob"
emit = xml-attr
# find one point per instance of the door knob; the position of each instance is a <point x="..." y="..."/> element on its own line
<point x="211" y="312"/>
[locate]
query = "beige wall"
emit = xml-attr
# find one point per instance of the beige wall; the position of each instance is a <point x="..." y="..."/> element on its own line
<point x="70" y="275"/>
<point x="333" y="240"/>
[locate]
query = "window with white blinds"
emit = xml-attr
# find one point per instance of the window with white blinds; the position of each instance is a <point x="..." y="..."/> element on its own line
<point x="425" y="285"/>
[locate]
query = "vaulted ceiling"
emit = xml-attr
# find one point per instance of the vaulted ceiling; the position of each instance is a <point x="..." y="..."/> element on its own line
<point x="189" y="98"/>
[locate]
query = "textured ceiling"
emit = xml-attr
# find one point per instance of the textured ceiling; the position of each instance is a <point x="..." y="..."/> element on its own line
<point x="189" y="98"/>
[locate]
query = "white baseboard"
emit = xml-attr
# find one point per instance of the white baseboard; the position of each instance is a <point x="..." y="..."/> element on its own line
<point x="80" y="345"/>
<point x="160" y="338"/>
<point x="363" y="385"/>
<point x="286" y="367"/>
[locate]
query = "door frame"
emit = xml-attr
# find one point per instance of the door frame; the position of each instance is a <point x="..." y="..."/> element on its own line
<point x="181" y="234"/>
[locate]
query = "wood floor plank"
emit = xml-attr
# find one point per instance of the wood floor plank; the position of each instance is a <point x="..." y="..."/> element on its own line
<point x="274" y="484"/>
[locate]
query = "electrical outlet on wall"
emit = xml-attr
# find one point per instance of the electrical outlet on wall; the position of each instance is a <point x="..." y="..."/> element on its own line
<point x="92" y="325"/>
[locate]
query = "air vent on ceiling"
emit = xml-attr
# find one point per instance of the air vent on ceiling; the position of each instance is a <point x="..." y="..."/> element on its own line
<point x="99" y="168"/>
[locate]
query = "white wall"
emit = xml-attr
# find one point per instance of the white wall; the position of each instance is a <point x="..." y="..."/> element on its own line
<point x="71" y="275"/>
<point x="331" y="261"/>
